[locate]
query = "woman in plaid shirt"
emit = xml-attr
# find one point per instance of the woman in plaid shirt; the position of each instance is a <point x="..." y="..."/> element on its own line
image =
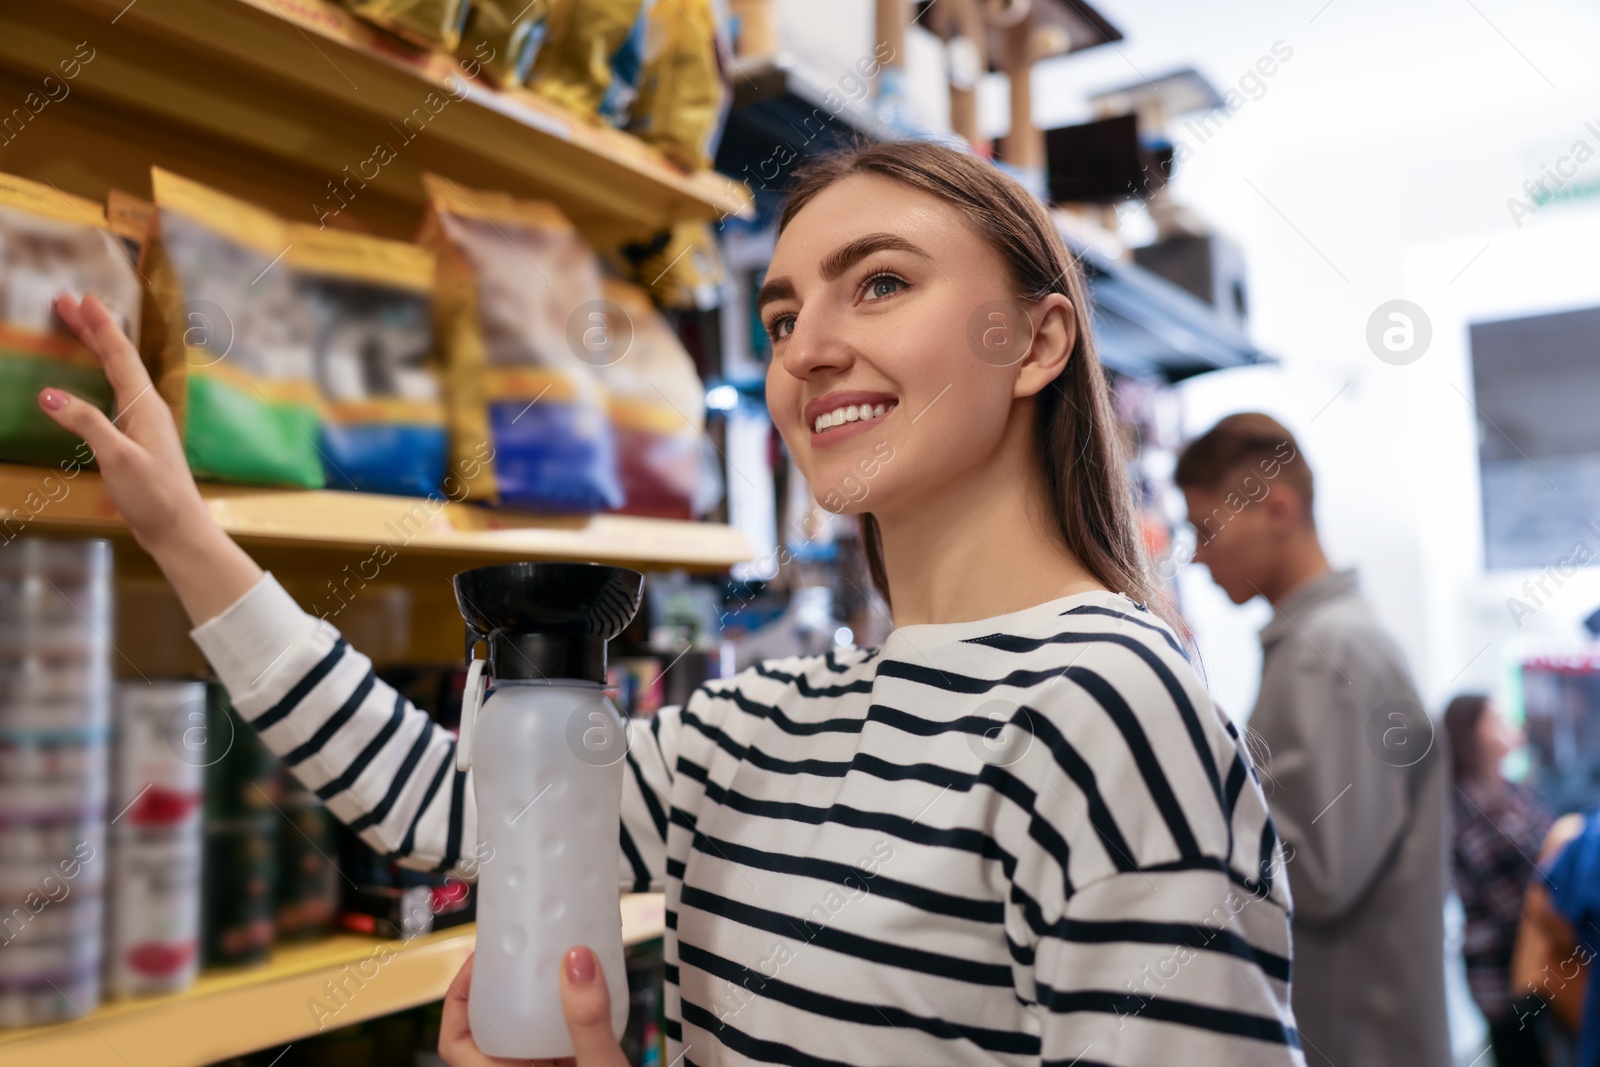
<point x="1498" y="829"/>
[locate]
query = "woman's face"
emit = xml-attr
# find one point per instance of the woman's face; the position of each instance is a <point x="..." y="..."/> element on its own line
<point x="1498" y="737"/>
<point x="895" y="363"/>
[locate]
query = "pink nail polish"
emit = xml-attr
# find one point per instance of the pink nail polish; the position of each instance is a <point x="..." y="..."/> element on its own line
<point x="580" y="966"/>
<point x="52" y="400"/>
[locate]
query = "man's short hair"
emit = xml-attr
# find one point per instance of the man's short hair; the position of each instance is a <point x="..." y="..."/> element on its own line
<point x="1241" y="454"/>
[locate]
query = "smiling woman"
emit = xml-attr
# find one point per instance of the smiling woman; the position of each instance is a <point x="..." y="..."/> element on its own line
<point x="964" y="294"/>
<point x="1046" y="833"/>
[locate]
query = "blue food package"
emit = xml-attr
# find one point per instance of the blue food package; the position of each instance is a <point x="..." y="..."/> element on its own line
<point x="523" y="329"/>
<point x="369" y="305"/>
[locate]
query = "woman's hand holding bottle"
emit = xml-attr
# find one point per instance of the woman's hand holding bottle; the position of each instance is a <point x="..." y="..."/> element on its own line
<point x="585" y="1002"/>
<point x="145" y="471"/>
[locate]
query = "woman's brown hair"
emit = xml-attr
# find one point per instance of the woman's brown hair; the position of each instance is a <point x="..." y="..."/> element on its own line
<point x="1461" y="720"/>
<point x="1075" y="428"/>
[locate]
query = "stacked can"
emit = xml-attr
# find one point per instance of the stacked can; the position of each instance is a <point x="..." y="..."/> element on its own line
<point x="159" y="750"/>
<point x="239" y="872"/>
<point x="55" y="699"/>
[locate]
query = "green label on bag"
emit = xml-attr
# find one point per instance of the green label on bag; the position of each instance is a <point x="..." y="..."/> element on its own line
<point x="233" y="436"/>
<point x="28" y="435"/>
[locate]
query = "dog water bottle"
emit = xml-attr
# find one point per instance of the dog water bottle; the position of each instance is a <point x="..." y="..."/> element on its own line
<point x="546" y="749"/>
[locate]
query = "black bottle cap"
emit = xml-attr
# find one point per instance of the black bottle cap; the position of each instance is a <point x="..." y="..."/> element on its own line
<point x="547" y="620"/>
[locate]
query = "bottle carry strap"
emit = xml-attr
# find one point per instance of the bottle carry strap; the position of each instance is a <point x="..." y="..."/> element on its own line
<point x="471" y="701"/>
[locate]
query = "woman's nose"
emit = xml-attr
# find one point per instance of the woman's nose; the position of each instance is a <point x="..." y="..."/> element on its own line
<point x="816" y="343"/>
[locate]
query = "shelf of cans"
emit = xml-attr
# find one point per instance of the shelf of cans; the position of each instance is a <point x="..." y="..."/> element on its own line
<point x="148" y="837"/>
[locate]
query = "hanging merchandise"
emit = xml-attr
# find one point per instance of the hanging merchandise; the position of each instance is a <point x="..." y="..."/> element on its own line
<point x="52" y="243"/>
<point x="231" y="345"/>
<point x="574" y="66"/>
<point x="683" y="90"/>
<point x="429" y="23"/>
<point x="657" y="406"/>
<point x="503" y="38"/>
<point x="519" y="317"/>
<point x="369" y="305"/>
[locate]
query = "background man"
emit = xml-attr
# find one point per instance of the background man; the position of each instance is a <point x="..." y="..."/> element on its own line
<point x="1354" y="776"/>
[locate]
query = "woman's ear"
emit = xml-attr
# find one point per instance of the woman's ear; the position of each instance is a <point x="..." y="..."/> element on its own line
<point x="1055" y="334"/>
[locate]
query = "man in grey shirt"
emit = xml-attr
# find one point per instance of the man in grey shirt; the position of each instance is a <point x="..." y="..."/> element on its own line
<point x="1354" y="775"/>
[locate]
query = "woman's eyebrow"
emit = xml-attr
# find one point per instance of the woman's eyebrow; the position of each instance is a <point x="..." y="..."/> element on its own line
<point x="840" y="260"/>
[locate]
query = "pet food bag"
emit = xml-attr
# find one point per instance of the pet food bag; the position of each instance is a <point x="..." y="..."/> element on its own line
<point x="369" y="302"/>
<point x="682" y="90"/>
<point x="657" y="406"/>
<point x="503" y="37"/>
<point x="429" y="23"/>
<point x="574" y="65"/>
<point x="230" y="338"/>
<point x="518" y="310"/>
<point x="627" y="64"/>
<point x="52" y="243"/>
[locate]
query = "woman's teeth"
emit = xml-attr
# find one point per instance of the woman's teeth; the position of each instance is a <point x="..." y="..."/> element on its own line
<point x="849" y="413"/>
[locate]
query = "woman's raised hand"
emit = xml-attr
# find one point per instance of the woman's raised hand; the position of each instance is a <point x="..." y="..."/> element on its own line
<point x="585" y="1001"/>
<point x="145" y="471"/>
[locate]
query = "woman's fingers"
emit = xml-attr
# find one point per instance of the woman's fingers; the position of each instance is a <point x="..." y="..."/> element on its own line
<point x="84" y="419"/>
<point x="97" y="327"/>
<point x="586" y="1002"/>
<point x="456" y="1046"/>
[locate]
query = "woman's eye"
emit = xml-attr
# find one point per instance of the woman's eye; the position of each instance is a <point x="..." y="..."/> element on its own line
<point x="780" y="327"/>
<point x="883" y="285"/>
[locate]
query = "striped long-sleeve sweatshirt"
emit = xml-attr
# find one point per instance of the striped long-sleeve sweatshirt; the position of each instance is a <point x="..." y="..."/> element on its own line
<point x="1026" y="839"/>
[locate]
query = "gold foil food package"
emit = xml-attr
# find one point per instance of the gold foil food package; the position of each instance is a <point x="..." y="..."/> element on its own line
<point x="429" y="23"/>
<point x="51" y="243"/>
<point x="515" y="291"/>
<point x="657" y="407"/>
<point x="574" y="63"/>
<point x="231" y="343"/>
<point x="504" y="37"/>
<point x="683" y="93"/>
<point x="369" y="302"/>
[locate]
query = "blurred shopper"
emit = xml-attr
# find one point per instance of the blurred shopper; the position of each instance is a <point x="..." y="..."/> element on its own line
<point x="1556" y="941"/>
<point x="1498" y="828"/>
<point x="1354" y="780"/>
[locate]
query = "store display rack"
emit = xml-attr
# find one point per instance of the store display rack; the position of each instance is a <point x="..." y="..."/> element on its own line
<point x="275" y="99"/>
<point x="228" y="1013"/>
<point x="39" y="500"/>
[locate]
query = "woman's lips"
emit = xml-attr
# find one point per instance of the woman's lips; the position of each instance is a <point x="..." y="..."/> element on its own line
<point x="844" y="426"/>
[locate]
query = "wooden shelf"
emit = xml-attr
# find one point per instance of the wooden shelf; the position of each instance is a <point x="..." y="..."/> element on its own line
<point x="37" y="500"/>
<point x="229" y="1013"/>
<point x="274" y="99"/>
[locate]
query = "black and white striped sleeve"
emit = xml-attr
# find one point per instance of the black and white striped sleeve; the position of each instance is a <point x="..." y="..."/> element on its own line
<point x="1147" y="898"/>
<point x="380" y="764"/>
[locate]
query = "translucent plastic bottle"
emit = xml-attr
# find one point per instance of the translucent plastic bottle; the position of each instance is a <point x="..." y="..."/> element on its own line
<point x="550" y="820"/>
<point x="546" y="750"/>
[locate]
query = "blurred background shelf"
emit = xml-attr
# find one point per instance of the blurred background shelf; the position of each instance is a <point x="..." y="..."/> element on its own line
<point x="306" y="521"/>
<point x="275" y="99"/>
<point x="227" y="1013"/>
